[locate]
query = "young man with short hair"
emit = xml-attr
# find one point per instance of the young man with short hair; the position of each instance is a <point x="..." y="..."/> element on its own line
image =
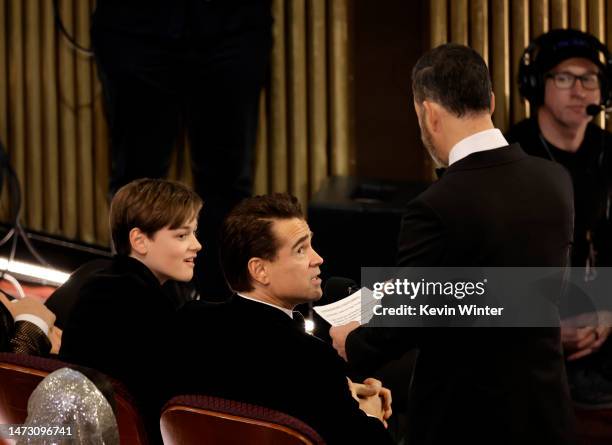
<point x="119" y="323"/>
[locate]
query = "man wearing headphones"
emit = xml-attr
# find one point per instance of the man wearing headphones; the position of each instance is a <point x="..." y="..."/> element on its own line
<point x="565" y="75"/>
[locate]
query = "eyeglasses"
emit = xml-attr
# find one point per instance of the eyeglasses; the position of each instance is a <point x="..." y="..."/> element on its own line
<point x="565" y="81"/>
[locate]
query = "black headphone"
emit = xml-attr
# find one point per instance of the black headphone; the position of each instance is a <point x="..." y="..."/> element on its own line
<point x="531" y="75"/>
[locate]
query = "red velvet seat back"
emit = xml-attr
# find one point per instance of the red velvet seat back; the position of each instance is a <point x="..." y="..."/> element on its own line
<point x="191" y="420"/>
<point x="594" y="426"/>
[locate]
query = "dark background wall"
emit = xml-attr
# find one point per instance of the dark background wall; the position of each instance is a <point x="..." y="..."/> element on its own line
<point x="388" y="37"/>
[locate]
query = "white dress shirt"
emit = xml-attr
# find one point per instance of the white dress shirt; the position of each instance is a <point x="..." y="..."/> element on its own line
<point x="481" y="141"/>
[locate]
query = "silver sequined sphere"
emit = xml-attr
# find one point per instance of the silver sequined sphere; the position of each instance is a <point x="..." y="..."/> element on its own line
<point x="66" y="398"/>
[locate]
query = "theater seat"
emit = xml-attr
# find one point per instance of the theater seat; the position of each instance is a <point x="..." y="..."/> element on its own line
<point x="198" y="419"/>
<point x="594" y="426"/>
<point x="19" y="376"/>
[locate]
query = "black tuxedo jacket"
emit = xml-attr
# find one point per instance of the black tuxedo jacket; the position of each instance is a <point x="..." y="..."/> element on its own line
<point x="248" y="351"/>
<point x="503" y="386"/>
<point x="119" y="325"/>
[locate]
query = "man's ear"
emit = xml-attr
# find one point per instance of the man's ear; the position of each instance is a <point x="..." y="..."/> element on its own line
<point x="258" y="271"/>
<point x="492" y="102"/>
<point x="432" y="114"/>
<point x="139" y="241"/>
<point x="417" y="110"/>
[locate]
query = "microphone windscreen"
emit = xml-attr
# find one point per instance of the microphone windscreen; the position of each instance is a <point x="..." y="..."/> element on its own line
<point x="337" y="288"/>
<point x="593" y="110"/>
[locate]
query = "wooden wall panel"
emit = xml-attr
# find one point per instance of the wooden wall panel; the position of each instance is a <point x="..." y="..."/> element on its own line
<point x="459" y="21"/>
<point x="317" y="97"/>
<point x="608" y="18"/>
<point x="50" y="140"/>
<point x="33" y="188"/>
<point x="4" y="92"/>
<point x="3" y="74"/>
<point x="101" y="165"/>
<point x="84" y="115"/>
<point x="558" y="14"/>
<point x="68" y="125"/>
<point x="596" y="26"/>
<point x="341" y="149"/>
<point x="511" y="25"/>
<point x="52" y="113"/>
<point x="540" y="17"/>
<point x="52" y="117"/>
<point x="298" y="125"/>
<point x="261" y="148"/>
<point x="596" y="19"/>
<point x="16" y="143"/>
<point x="500" y="61"/>
<point x="278" y="103"/>
<point x="519" y="40"/>
<point x="578" y="14"/>
<point x="479" y="27"/>
<point x="438" y="22"/>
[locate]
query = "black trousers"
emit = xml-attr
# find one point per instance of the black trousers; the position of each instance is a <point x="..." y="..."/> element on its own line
<point x="205" y="83"/>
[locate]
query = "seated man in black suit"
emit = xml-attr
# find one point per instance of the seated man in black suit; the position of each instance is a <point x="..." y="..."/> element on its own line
<point x="120" y="319"/>
<point x="26" y="327"/>
<point x="253" y="348"/>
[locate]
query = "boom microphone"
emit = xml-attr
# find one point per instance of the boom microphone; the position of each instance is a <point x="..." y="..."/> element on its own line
<point x="594" y="109"/>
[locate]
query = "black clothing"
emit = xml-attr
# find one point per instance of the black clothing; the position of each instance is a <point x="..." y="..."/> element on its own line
<point x="591" y="170"/>
<point x="591" y="174"/>
<point x="473" y="385"/>
<point x="166" y="65"/>
<point x="63" y="299"/>
<point x="252" y="352"/>
<point x="119" y="326"/>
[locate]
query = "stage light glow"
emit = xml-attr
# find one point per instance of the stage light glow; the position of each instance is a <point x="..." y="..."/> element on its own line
<point x="40" y="273"/>
<point x="309" y="326"/>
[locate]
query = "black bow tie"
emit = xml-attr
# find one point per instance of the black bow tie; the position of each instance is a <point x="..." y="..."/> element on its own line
<point x="440" y="172"/>
<point x="298" y="321"/>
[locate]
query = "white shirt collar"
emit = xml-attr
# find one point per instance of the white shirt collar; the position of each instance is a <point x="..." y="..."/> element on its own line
<point x="286" y="311"/>
<point x="481" y="141"/>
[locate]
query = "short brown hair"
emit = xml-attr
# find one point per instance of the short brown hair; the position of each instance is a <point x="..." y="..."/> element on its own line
<point x="247" y="233"/>
<point x="150" y="205"/>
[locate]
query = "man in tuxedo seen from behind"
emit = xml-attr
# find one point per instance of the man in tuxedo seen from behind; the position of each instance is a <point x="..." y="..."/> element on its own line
<point x="493" y="207"/>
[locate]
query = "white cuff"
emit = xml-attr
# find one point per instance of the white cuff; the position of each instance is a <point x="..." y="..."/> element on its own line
<point x="34" y="319"/>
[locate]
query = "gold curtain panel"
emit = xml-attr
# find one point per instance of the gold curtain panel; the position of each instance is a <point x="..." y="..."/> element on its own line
<point x="501" y="29"/>
<point x="52" y="119"/>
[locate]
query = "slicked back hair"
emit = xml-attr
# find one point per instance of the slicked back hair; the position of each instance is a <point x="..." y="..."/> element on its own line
<point x="247" y="233"/>
<point x="454" y="76"/>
